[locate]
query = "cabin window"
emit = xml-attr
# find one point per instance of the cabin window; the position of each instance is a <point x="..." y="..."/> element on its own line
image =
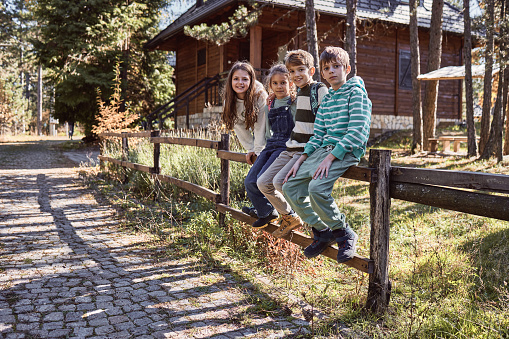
<point x="405" y="70"/>
<point x="172" y="59"/>
<point x="202" y="56"/>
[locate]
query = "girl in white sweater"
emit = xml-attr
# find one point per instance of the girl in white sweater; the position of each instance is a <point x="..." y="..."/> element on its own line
<point x="244" y="112"/>
<point x="244" y="102"/>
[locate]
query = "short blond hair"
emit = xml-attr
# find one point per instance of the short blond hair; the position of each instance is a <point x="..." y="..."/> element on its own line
<point x="299" y="57"/>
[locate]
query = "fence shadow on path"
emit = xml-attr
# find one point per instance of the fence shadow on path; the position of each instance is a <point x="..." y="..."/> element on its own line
<point x="66" y="271"/>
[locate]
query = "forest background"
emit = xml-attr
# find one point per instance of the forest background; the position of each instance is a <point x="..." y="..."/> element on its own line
<point x="70" y="54"/>
<point x="73" y="49"/>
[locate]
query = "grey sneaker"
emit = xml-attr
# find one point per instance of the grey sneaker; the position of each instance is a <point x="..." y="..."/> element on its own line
<point x="288" y="223"/>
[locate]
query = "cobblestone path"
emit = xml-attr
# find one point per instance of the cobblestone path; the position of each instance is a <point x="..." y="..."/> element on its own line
<point x="66" y="271"/>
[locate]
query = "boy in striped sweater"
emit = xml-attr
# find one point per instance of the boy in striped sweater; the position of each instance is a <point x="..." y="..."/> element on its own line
<point x="309" y="96"/>
<point x="341" y="132"/>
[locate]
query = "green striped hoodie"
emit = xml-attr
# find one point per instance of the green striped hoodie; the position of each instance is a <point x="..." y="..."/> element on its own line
<point x="343" y="120"/>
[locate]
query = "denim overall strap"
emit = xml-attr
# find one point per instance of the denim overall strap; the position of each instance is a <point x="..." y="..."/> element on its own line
<point x="281" y="122"/>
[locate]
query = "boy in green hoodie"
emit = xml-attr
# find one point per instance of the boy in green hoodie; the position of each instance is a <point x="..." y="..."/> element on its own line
<point x="341" y="131"/>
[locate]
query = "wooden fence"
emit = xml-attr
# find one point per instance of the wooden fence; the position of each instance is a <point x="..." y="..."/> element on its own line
<point x="468" y="192"/>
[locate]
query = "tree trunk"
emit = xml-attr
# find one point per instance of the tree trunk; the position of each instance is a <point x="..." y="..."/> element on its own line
<point x="124" y="70"/>
<point x="504" y="46"/>
<point x="434" y="58"/>
<point x="311" y="34"/>
<point x="416" y="84"/>
<point x="493" y="146"/>
<point x="39" y="100"/>
<point x="486" y="106"/>
<point x="469" y="91"/>
<point x="506" y="111"/>
<point x="351" y="35"/>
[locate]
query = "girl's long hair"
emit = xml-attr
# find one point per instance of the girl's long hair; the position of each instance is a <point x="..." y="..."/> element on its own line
<point x="280" y="68"/>
<point x="230" y="114"/>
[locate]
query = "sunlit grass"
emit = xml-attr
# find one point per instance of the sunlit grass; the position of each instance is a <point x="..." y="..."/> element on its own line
<point x="449" y="270"/>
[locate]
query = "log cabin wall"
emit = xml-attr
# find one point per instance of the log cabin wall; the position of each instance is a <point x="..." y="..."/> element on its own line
<point x="449" y="100"/>
<point x="377" y="64"/>
<point x="378" y="49"/>
<point x="186" y="68"/>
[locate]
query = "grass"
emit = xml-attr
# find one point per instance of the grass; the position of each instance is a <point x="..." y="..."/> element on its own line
<point x="449" y="270"/>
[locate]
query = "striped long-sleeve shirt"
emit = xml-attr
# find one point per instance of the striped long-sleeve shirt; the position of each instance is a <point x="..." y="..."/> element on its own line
<point x="343" y="120"/>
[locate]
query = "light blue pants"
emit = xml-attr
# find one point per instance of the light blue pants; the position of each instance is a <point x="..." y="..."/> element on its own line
<point x="311" y="198"/>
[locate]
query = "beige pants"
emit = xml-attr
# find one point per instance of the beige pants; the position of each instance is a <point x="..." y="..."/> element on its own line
<point x="270" y="183"/>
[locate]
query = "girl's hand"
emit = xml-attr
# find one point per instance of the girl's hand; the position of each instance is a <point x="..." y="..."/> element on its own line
<point x="324" y="167"/>
<point x="271" y="97"/>
<point x="249" y="158"/>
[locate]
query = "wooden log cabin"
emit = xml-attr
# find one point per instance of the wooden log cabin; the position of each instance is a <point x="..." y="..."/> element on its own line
<point x="383" y="51"/>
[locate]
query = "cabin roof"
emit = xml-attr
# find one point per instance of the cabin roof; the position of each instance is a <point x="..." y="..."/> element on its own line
<point x="391" y="11"/>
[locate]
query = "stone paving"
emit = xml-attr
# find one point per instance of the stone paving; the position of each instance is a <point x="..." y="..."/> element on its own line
<point x="67" y="271"/>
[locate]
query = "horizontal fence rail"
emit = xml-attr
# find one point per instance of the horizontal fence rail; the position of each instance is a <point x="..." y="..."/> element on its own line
<point x="197" y="189"/>
<point x="186" y="142"/>
<point x="131" y="165"/>
<point x="484" y="205"/>
<point x="127" y="134"/>
<point x="438" y="188"/>
<point x="471" y="180"/>
<point x="362" y="264"/>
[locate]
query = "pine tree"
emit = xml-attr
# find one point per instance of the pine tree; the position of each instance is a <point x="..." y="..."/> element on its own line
<point x="488" y="57"/>
<point x="416" y="84"/>
<point x="469" y="96"/>
<point x="15" y="65"/>
<point x="81" y="41"/>
<point x="351" y="35"/>
<point x="429" y="109"/>
<point x="237" y="26"/>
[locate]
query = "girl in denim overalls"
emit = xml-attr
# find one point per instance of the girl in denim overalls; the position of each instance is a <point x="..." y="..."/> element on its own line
<point x="280" y="120"/>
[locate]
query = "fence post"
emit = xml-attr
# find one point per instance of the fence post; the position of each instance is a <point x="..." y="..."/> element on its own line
<point x="156" y="169"/>
<point x="157" y="151"/>
<point x="102" y="143"/>
<point x="125" y="154"/>
<point x="379" y="289"/>
<point x="187" y="114"/>
<point x="225" y="177"/>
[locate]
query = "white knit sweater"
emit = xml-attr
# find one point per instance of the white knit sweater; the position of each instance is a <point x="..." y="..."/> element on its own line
<point x="253" y="140"/>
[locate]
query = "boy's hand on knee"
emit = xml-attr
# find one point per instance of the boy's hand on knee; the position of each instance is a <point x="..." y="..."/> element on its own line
<point x="324" y="167"/>
<point x="295" y="167"/>
<point x="292" y="172"/>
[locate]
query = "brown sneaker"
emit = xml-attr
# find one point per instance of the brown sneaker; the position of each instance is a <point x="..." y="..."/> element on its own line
<point x="289" y="222"/>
